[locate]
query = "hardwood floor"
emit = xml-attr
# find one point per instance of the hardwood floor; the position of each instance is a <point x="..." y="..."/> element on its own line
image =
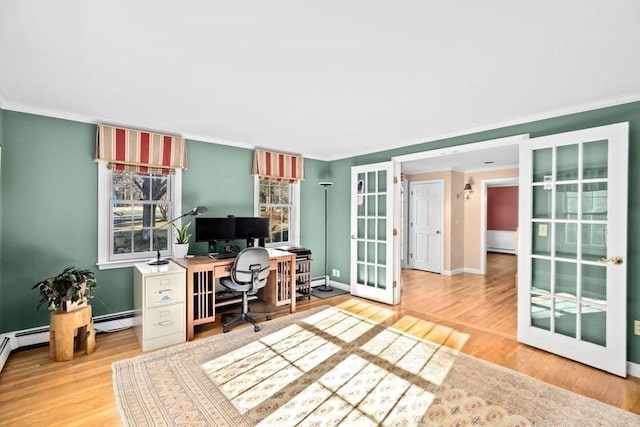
<point x="472" y="312"/>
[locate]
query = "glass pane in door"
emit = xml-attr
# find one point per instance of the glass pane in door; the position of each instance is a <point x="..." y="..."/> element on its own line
<point x="594" y="242"/>
<point x="565" y="317"/>
<point x="541" y="238"/>
<point x="594" y="201"/>
<point x="566" y="240"/>
<point x="596" y="159"/>
<point x="542" y="163"/>
<point x="541" y="312"/>
<point x="540" y="275"/>
<point x="594" y="325"/>
<point x="542" y="202"/>
<point x="567" y="201"/>
<point x="566" y="279"/>
<point x="594" y="284"/>
<point x="567" y="165"/>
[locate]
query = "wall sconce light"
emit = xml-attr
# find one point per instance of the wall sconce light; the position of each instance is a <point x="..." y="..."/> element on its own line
<point x="467" y="190"/>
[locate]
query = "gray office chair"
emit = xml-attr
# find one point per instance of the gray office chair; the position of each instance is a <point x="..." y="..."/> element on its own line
<point x="248" y="274"/>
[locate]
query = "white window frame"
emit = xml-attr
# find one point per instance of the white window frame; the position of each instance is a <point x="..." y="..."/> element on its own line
<point x="294" y="215"/>
<point x="104" y="218"/>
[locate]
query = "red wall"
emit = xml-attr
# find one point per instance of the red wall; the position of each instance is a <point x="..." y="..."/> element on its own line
<point x="502" y="208"/>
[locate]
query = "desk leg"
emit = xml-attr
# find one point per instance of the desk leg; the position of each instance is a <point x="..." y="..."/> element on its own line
<point x="189" y="305"/>
<point x="292" y="280"/>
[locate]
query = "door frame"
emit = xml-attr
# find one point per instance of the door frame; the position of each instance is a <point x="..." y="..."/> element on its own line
<point x="474" y="146"/>
<point x="486" y="183"/>
<point x="404" y="224"/>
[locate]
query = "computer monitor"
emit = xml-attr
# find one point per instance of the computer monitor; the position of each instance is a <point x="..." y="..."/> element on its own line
<point x="251" y="228"/>
<point x="215" y="229"/>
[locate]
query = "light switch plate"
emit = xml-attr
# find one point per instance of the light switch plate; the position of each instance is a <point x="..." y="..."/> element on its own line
<point x="543" y="230"/>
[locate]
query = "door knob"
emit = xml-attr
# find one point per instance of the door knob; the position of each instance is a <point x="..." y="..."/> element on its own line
<point x="612" y="260"/>
<point x="353" y="237"/>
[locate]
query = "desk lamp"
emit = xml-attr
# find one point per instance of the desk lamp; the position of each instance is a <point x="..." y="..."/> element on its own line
<point x="193" y="212"/>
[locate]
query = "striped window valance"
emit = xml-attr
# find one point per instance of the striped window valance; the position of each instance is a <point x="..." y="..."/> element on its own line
<point x="278" y="166"/>
<point x="139" y="151"/>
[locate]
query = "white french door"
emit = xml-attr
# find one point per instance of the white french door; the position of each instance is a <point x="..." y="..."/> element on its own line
<point x="425" y="225"/>
<point x="375" y="249"/>
<point x="572" y="284"/>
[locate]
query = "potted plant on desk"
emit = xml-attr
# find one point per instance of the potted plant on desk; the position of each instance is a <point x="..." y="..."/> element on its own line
<point x="68" y="291"/>
<point x="181" y="247"/>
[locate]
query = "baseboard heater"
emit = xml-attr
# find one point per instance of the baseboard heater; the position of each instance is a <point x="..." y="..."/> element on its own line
<point x="40" y="335"/>
<point x="5" y="350"/>
<point x="501" y="241"/>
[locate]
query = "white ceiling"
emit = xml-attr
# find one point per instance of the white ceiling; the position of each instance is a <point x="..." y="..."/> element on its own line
<point x="327" y="79"/>
<point x="465" y="161"/>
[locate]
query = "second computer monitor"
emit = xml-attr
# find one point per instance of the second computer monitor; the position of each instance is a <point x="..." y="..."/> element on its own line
<point x="251" y="228"/>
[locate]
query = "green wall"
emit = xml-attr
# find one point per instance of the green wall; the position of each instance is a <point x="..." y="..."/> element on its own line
<point x="341" y="174"/>
<point x="1" y="287"/>
<point x="49" y="195"/>
<point x="48" y="209"/>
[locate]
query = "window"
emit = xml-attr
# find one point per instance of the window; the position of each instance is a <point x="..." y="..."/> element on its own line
<point x="133" y="208"/>
<point x="279" y="201"/>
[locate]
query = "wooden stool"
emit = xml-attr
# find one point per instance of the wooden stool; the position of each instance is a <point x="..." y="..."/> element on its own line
<point x="61" y="333"/>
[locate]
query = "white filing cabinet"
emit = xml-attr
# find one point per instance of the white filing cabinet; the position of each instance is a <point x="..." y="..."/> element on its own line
<point x="159" y="302"/>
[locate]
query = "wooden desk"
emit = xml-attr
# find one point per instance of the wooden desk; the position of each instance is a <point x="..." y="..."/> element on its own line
<point x="201" y="284"/>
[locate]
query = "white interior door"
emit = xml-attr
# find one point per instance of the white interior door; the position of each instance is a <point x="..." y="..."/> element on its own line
<point x="375" y="253"/>
<point x="425" y="225"/>
<point x="572" y="284"/>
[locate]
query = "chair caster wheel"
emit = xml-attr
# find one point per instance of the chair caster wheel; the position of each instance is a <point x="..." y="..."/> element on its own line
<point x="256" y="328"/>
<point x="268" y="317"/>
<point x="225" y="329"/>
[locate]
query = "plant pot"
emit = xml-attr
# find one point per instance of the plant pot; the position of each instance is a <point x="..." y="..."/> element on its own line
<point x="180" y="250"/>
<point x="68" y="305"/>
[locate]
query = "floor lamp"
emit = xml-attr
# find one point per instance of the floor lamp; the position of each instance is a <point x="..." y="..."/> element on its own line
<point x="325" y="287"/>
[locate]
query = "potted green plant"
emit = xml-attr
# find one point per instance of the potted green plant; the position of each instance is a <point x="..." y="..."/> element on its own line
<point x="181" y="247"/>
<point x="67" y="291"/>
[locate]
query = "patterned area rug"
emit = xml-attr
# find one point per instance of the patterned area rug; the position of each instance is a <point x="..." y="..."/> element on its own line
<point x="329" y="366"/>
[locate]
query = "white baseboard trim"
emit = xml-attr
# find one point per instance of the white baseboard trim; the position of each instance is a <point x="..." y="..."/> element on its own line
<point x="633" y="369"/>
<point x="319" y="281"/>
<point x="453" y="272"/>
<point x="27" y="337"/>
<point x="339" y="285"/>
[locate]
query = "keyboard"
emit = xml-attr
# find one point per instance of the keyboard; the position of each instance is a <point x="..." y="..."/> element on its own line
<point x="223" y="255"/>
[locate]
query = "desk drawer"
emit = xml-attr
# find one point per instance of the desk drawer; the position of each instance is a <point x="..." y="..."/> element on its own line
<point x="165" y="289"/>
<point x="161" y="321"/>
<point x="222" y="270"/>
